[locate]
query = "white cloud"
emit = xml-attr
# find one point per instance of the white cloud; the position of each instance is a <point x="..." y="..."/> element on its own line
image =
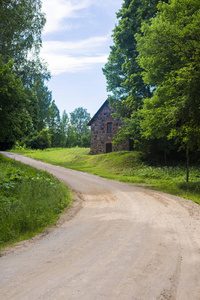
<point x="74" y="56"/>
<point x="58" y="10"/>
<point x="82" y="46"/>
<point x="65" y="63"/>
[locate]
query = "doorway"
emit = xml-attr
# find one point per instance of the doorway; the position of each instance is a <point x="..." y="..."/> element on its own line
<point x="108" y="147"/>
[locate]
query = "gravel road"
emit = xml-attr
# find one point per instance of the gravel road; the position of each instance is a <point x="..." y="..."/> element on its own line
<point x="118" y="242"/>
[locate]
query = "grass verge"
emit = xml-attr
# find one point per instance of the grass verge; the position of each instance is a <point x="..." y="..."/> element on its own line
<point x="126" y="167"/>
<point x="30" y="201"/>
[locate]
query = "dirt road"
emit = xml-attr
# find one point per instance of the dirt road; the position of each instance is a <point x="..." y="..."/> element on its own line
<point x="121" y="243"/>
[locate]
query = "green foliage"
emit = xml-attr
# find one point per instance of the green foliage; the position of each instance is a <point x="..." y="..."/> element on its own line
<point x="79" y="119"/>
<point x="85" y="140"/>
<point x="122" y="71"/>
<point x="115" y="73"/>
<point x="21" y="24"/>
<point x="64" y="124"/>
<point x="59" y="131"/>
<point x="30" y="200"/>
<point x="169" y="53"/>
<point x="32" y="108"/>
<point x="54" y="124"/>
<point x="15" y="120"/>
<point x="73" y="138"/>
<point x="78" y="133"/>
<point x="44" y="98"/>
<point x="42" y="140"/>
<point x="153" y="75"/>
<point x="24" y="99"/>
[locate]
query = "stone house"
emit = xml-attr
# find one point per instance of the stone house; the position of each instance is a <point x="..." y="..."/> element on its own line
<point x="103" y="129"/>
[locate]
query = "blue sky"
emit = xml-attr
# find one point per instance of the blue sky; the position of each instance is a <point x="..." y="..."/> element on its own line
<point x="76" y="45"/>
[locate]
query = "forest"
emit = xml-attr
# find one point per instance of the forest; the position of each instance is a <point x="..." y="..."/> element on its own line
<point x="29" y="116"/>
<point x="152" y="75"/>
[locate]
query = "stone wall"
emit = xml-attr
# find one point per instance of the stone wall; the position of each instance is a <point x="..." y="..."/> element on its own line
<point x="99" y="135"/>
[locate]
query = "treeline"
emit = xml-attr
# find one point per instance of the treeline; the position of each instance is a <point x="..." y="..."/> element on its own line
<point x="66" y="131"/>
<point x="28" y="114"/>
<point x="153" y="75"/>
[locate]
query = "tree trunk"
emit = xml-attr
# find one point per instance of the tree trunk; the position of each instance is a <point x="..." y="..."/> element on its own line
<point x="165" y="156"/>
<point x="187" y="176"/>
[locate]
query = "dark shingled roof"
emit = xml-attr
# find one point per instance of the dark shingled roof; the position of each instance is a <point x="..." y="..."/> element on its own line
<point x="93" y="118"/>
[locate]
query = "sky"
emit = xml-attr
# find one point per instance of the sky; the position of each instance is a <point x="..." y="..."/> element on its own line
<point x="76" y="46"/>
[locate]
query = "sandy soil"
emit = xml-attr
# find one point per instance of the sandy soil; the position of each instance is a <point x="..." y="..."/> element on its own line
<point x="118" y="242"/>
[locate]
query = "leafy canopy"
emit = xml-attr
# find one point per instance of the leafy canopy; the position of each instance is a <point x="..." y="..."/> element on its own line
<point x="122" y="71"/>
<point x="14" y="118"/>
<point x="169" y="53"/>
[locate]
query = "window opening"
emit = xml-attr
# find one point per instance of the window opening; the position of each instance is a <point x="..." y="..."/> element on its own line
<point x="109" y="127"/>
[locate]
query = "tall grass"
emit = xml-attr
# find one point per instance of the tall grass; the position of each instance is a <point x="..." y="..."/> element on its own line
<point x="30" y="200"/>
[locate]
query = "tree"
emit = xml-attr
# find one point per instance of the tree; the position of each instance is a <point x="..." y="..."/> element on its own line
<point x="169" y="54"/>
<point x="78" y="133"/>
<point x="79" y="119"/>
<point x="21" y="24"/>
<point x="33" y="72"/>
<point x="122" y="71"/>
<point x="44" y="97"/>
<point x="73" y="138"/>
<point x="85" y="140"/>
<point x="54" y="125"/>
<point x="14" y="118"/>
<point x="115" y="74"/>
<point x="42" y="140"/>
<point x="64" y="124"/>
<point x="32" y="107"/>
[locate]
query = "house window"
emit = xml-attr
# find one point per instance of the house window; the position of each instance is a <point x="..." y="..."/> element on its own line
<point x="109" y="127"/>
<point x="108" y="147"/>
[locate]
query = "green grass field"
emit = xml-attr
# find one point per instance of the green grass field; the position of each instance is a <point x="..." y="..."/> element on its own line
<point x="30" y="201"/>
<point x="126" y="167"/>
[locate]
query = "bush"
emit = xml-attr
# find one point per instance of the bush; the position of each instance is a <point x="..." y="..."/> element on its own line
<point x="40" y="141"/>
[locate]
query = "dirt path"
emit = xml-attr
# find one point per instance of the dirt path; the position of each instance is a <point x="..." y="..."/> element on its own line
<point x="124" y="243"/>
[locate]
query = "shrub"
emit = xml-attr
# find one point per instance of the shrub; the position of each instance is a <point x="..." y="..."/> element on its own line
<point x="40" y="141"/>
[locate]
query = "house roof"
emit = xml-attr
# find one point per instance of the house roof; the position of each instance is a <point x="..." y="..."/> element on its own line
<point x="93" y="118"/>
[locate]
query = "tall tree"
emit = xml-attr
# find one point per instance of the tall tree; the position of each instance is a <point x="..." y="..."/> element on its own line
<point x="32" y="108"/>
<point x="33" y="71"/>
<point x="64" y="124"/>
<point x="15" y="120"/>
<point x="21" y="24"/>
<point x="78" y="133"/>
<point x="54" y="125"/>
<point x="116" y="74"/>
<point x="169" y="50"/>
<point x="122" y="71"/>
<point x="79" y="119"/>
<point x="44" y="97"/>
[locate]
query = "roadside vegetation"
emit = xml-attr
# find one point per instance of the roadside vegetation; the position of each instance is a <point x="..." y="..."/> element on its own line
<point x="30" y="200"/>
<point x="126" y="167"/>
